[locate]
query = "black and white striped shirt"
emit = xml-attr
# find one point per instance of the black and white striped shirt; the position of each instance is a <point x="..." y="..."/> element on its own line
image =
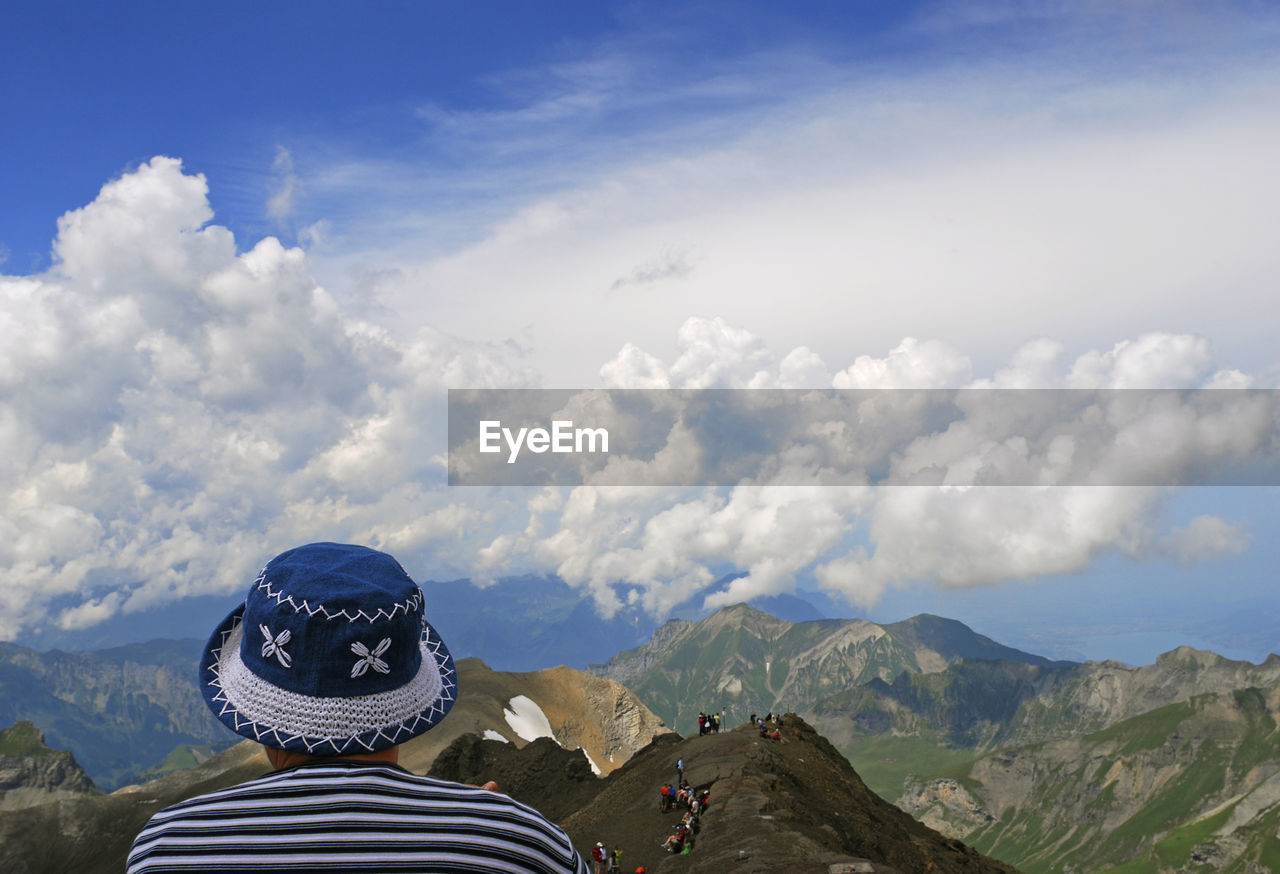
<point x="352" y="816"/>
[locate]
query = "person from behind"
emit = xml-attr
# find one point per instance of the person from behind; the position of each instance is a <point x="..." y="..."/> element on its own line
<point x="331" y="665"/>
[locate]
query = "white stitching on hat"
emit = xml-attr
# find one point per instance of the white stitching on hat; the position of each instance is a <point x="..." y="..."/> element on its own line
<point x="275" y="647"/>
<point x="333" y="726"/>
<point x="409" y="605"/>
<point x="369" y="659"/>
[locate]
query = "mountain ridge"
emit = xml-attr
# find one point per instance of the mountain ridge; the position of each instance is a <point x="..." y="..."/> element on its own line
<point x="791" y="805"/>
<point x="745" y="661"/>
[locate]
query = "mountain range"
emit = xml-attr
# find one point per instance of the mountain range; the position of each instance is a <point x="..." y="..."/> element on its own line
<point x="1052" y="766"/>
<point x="742" y="660"/>
<point x="122" y="710"/>
<point x="792" y="804"/>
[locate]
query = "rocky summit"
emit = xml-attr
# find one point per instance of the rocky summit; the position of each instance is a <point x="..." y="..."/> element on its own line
<point x="789" y="805"/>
<point x="31" y="773"/>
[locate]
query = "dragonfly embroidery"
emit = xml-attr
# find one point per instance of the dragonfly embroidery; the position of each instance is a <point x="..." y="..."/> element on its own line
<point x="369" y="659"/>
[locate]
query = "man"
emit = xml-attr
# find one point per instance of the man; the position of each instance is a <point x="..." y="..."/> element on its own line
<point x="331" y="665"/>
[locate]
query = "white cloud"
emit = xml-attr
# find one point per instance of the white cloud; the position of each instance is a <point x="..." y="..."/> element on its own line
<point x="910" y="364"/>
<point x="973" y="206"/>
<point x="283" y="200"/>
<point x="657" y="546"/>
<point x="173" y="412"/>
<point x="1155" y="360"/>
<point x="990" y="535"/>
<point x="1204" y="538"/>
<point x="714" y="354"/>
<point x="632" y="367"/>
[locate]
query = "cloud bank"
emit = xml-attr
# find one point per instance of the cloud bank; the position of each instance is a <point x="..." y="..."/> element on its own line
<point x="174" y="410"/>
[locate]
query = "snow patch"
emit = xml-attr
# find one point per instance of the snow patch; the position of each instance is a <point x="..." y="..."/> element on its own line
<point x="527" y="719"/>
<point x="490" y="734"/>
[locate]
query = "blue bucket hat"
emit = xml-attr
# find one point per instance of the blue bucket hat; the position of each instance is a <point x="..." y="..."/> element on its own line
<point x="330" y="654"/>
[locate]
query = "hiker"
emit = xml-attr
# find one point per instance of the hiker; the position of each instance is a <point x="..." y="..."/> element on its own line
<point x="679" y="770"/>
<point x="330" y="664"/>
<point x="615" y="861"/>
<point x="598" y="858"/>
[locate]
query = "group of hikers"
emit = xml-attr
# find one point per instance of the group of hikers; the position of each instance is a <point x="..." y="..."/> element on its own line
<point x="768" y="725"/>
<point x="691" y="801"/>
<point x="681" y="795"/>
<point x="605" y="861"/>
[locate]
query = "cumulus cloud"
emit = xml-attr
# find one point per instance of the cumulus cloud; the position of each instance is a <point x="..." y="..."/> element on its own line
<point x="910" y="364"/>
<point x="715" y="354"/>
<point x="1084" y="474"/>
<point x="174" y="411"/>
<point x="1204" y="538"/>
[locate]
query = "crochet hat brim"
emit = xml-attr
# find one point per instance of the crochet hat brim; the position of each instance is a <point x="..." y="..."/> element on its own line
<point x="260" y="711"/>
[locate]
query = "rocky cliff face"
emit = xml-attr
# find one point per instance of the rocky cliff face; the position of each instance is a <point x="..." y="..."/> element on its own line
<point x="1193" y="785"/>
<point x="575" y="709"/>
<point x="121" y="710"/>
<point x="942" y="803"/>
<point x="31" y="773"/>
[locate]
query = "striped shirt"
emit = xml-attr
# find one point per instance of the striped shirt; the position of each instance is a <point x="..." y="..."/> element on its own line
<point x="352" y="816"/>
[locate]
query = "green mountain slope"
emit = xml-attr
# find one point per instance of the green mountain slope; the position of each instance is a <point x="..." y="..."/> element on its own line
<point x="1190" y="786"/>
<point x="744" y="661"/>
<point x="120" y="711"/>
<point x="1052" y="766"/>
<point x="925" y="723"/>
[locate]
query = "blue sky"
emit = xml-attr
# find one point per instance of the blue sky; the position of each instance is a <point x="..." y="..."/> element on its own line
<point x="246" y="251"/>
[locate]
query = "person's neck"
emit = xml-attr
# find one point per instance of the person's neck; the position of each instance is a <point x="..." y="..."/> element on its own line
<point x="281" y="759"/>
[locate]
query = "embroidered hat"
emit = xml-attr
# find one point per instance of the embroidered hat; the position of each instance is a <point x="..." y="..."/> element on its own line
<point x="330" y="654"/>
